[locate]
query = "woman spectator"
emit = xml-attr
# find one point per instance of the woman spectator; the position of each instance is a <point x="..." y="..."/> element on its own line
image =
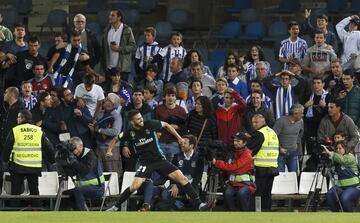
<point x="203" y="112"/>
<point x="254" y="55"/>
<point x="346" y="187"/>
<point x="116" y="85"/>
<point x="231" y="58"/>
<point x="193" y="56"/>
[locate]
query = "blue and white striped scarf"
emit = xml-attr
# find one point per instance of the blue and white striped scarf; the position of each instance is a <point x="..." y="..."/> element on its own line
<point x="283" y="107"/>
<point x="309" y="113"/>
<point x="58" y="77"/>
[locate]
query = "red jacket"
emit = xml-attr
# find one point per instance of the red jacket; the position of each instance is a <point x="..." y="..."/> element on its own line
<point x="229" y="121"/>
<point x="243" y="163"/>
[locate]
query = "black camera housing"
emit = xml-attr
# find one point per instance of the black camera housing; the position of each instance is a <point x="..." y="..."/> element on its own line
<point x="63" y="152"/>
<point x="217" y="148"/>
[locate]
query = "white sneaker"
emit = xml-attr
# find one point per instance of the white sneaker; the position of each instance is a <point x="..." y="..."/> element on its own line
<point x="113" y="208"/>
<point x="203" y="207"/>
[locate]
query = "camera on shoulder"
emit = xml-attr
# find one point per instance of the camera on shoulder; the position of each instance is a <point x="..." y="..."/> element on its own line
<point x="64" y="153"/>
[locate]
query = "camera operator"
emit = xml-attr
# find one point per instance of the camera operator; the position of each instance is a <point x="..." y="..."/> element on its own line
<point x="348" y="180"/>
<point x="25" y="148"/>
<point x="239" y="166"/>
<point x="82" y="163"/>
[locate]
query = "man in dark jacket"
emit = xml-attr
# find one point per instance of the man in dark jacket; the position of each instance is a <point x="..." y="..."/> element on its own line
<point x="9" y="111"/>
<point x="25" y="148"/>
<point x="88" y="40"/>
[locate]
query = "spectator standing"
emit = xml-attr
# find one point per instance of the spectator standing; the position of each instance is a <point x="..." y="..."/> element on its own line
<point x="175" y="115"/>
<point x="318" y="57"/>
<point x="107" y="125"/>
<point x="41" y="81"/>
<point x="193" y="56"/>
<point x="253" y="56"/>
<point x="174" y="49"/>
<point x="27" y="97"/>
<point x="292" y="47"/>
<point x="146" y="52"/>
<point x="5" y="33"/>
<point x="229" y="117"/>
<point x="89" y="43"/>
<point x="350" y="40"/>
<point x="336" y="121"/>
<point x="208" y="82"/>
<point x="289" y="130"/>
<point x="118" y="46"/>
<point x="351" y="96"/>
<point x="322" y="23"/>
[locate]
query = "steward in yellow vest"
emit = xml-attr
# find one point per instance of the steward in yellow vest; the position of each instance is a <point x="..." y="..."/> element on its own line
<point x="25" y="146"/>
<point x="264" y="144"/>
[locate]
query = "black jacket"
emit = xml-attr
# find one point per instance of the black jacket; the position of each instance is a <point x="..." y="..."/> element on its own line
<point x="83" y="164"/>
<point x="8" y="119"/>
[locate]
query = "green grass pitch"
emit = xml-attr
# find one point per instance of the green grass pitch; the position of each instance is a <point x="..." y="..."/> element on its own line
<point x="175" y="217"/>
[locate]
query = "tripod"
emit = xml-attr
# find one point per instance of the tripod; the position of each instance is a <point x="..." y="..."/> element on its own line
<point x="62" y="187"/>
<point x="212" y="185"/>
<point x="313" y="198"/>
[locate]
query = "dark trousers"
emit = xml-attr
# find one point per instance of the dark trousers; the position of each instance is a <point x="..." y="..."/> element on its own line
<point x="17" y="185"/>
<point x="79" y="194"/>
<point x="263" y="189"/>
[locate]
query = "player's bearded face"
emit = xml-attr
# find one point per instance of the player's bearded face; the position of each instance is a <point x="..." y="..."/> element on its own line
<point x="138" y="121"/>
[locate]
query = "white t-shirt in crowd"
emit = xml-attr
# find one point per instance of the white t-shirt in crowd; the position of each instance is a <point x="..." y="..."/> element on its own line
<point x="90" y="97"/>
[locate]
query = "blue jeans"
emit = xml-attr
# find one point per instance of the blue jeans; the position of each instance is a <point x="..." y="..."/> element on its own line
<point x="79" y="195"/>
<point x="237" y="197"/>
<point x="170" y="149"/>
<point x="290" y="159"/>
<point x="347" y="197"/>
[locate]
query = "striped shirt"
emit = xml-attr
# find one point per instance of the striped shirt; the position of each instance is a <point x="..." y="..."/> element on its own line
<point x="289" y="49"/>
<point x="251" y="70"/>
<point x="29" y="104"/>
<point x="146" y="52"/>
<point x="168" y="53"/>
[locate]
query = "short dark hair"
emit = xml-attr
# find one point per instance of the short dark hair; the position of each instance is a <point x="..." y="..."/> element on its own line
<point x="26" y="114"/>
<point x="75" y="33"/>
<point x="257" y="92"/>
<point x="153" y="68"/>
<point x="195" y="80"/>
<point x="152" y="89"/>
<point x="137" y="89"/>
<point x="233" y="66"/>
<point x="34" y="39"/>
<point x="337" y="102"/>
<point x="319" y="32"/>
<point x="257" y="81"/>
<point x="42" y="95"/>
<point x="38" y="63"/>
<point x="19" y="25"/>
<point x="349" y="72"/>
<point x="292" y="23"/>
<point x="151" y="30"/>
<point x="322" y="16"/>
<point x="318" y="78"/>
<point x="191" y="138"/>
<point x="171" y="89"/>
<point x="88" y="79"/>
<point x="63" y="36"/>
<point x="119" y="13"/>
<point x="132" y="113"/>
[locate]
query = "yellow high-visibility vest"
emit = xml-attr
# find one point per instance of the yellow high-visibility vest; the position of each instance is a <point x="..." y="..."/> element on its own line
<point x="269" y="151"/>
<point x="27" y="146"/>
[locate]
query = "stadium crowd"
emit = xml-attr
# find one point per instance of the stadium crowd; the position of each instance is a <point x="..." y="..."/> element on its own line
<point x="266" y="118"/>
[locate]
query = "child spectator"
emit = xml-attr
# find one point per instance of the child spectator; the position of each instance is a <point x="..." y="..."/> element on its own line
<point x="149" y="94"/>
<point x="196" y="90"/>
<point x="174" y="49"/>
<point x="146" y="52"/>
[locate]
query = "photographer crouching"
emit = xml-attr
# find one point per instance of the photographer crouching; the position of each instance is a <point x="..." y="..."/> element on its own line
<point x="348" y="180"/>
<point x="239" y="166"/>
<point x="74" y="159"/>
